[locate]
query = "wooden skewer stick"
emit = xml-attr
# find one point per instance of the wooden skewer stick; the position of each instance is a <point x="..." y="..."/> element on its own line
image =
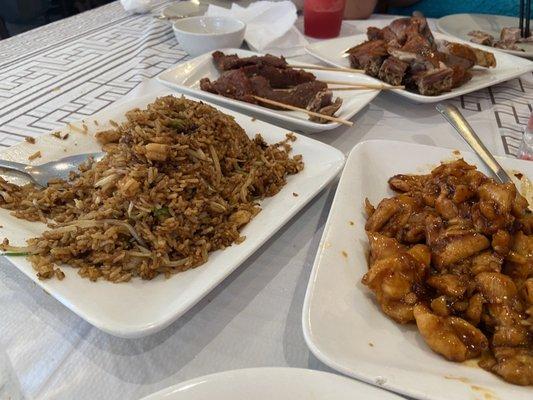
<point x="312" y="113"/>
<point x="368" y="85"/>
<point x="364" y="87"/>
<point x="320" y="68"/>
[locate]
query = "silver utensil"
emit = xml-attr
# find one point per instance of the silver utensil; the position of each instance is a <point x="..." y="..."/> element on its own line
<point x="42" y="174"/>
<point x="456" y="119"/>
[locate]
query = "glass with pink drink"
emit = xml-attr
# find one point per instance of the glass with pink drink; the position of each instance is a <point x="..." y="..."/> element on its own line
<point x="323" y="18"/>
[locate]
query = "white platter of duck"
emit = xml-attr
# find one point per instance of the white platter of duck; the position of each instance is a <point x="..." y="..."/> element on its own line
<point x="333" y="52"/>
<point x="201" y="77"/>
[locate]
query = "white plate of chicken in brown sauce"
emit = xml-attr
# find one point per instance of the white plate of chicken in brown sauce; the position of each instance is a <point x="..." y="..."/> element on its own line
<point x="497" y="31"/>
<point x="233" y="77"/>
<point x="431" y="66"/>
<point x="423" y="281"/>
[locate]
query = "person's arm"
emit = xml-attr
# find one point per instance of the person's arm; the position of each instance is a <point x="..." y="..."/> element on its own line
<point x="359" y="9"/>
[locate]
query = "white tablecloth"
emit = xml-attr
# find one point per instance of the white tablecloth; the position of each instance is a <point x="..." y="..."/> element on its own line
<point x="72" y="69"/>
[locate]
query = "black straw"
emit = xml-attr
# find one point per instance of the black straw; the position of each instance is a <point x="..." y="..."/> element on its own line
<point x="521" y="15"/>
<point x="528" y="15"/>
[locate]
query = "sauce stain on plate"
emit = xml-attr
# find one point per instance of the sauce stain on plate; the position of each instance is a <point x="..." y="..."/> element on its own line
<point x="486" y="394"/>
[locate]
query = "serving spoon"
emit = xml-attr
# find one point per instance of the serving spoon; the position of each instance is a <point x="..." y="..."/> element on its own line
<point x="456" y="119"/>
<point x="42" y="174"/>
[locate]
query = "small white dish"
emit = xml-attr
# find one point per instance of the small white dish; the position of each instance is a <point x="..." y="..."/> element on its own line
<point x="182" y="9"/>
<point x="139" y="308"/>
<point x="458" y="25"/>
<point x="185" y="78"/>
<point x="272" y="384"/>
<point x="198" y="35"/>
<point x="342" y="323"/>
<point x="507" y="66"/>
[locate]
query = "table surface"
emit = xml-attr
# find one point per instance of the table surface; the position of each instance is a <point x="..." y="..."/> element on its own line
<point x="71" y="69"/>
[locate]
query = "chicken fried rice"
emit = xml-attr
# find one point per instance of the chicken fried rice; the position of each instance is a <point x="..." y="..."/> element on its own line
<point x="179" y="180"/>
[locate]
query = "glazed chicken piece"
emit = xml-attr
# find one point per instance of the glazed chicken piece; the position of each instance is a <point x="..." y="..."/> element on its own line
<point x="395" y="276"/>
<point x="449" y="253"/>
<point x="515" y="365"/>
<point x="511" y="339"/>
<point x="494" y="210"/>
<point x="450" y="245"/>
<point x="452" y="337"/>
<point x="400" y="217"/>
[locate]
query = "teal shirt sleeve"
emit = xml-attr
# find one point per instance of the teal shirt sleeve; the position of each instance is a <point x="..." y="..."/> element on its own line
<point x="441" y="8"/>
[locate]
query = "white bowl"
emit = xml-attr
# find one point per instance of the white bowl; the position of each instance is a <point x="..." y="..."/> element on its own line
<point x="199" y="35"/>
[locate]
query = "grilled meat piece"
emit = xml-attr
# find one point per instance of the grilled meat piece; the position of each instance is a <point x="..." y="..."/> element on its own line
<point x="481" y="37"/>
<point x="299" y="96"/>
<point x="271" y="78"/>
<point x="392" y="71"/>
<point x="233" y="84"/>
<point x="322" y="100"/>
<point x="279" y="77"/>
<point x="510" y="35"/>
<point x="434" y="82"/>
<point x="433" y="67"/>
<point x="468" y="53"/>
<point x="225" y="62"/>
<point x="460" y="75"/>
<point x="368" y="56"/>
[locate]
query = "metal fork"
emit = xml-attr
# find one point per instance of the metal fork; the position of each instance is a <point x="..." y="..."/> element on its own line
<point x="456" y="119"/>
<point x="42" y="174"/>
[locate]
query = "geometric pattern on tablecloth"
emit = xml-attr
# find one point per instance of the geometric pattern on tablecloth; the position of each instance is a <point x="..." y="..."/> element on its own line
<point x="74" y="79"/>
<point x="511" y="104"/>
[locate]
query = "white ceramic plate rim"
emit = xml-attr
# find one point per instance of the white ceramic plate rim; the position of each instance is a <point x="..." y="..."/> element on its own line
<point x="313" y="341"/>
<point x="305" y="125"/>
<point x="138" y="329"/>
<point x="441" y="25"/>
<point x="525" y="66"/>
<point x="297" y="375"/>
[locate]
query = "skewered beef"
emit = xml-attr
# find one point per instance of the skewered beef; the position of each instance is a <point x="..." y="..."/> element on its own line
<point x="244" y="78"/>
<point x="225" y="62"/>
<point x="406" y="52"/>
<point x="233" y="84"/>
<point x="279" y="77"/>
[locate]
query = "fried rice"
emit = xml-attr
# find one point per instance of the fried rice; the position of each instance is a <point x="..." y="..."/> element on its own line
<point x="179" y="180"/>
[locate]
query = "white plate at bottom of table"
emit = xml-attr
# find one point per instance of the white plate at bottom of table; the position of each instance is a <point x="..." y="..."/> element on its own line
<point x="138" y="308"/>
<point x="458" y="25"/>
<point x="272" y="384"/>
<point x="507" y="66"/>
<point x="343" y="325"/>
<point x="185" y="78"/>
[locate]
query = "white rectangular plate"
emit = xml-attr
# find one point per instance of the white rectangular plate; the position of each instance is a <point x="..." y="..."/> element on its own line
<point x="507" y="66"/>
<point x="343" y="324"/>
<point x="138" y="308"/>
<point x="185" y="78"/>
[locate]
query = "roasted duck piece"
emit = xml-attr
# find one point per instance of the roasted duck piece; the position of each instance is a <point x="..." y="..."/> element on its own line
<point x="452" y="252"/>
<point x="405" y="52"/>
<point x="272" y="78"/>
<point x="509" y="37"/>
